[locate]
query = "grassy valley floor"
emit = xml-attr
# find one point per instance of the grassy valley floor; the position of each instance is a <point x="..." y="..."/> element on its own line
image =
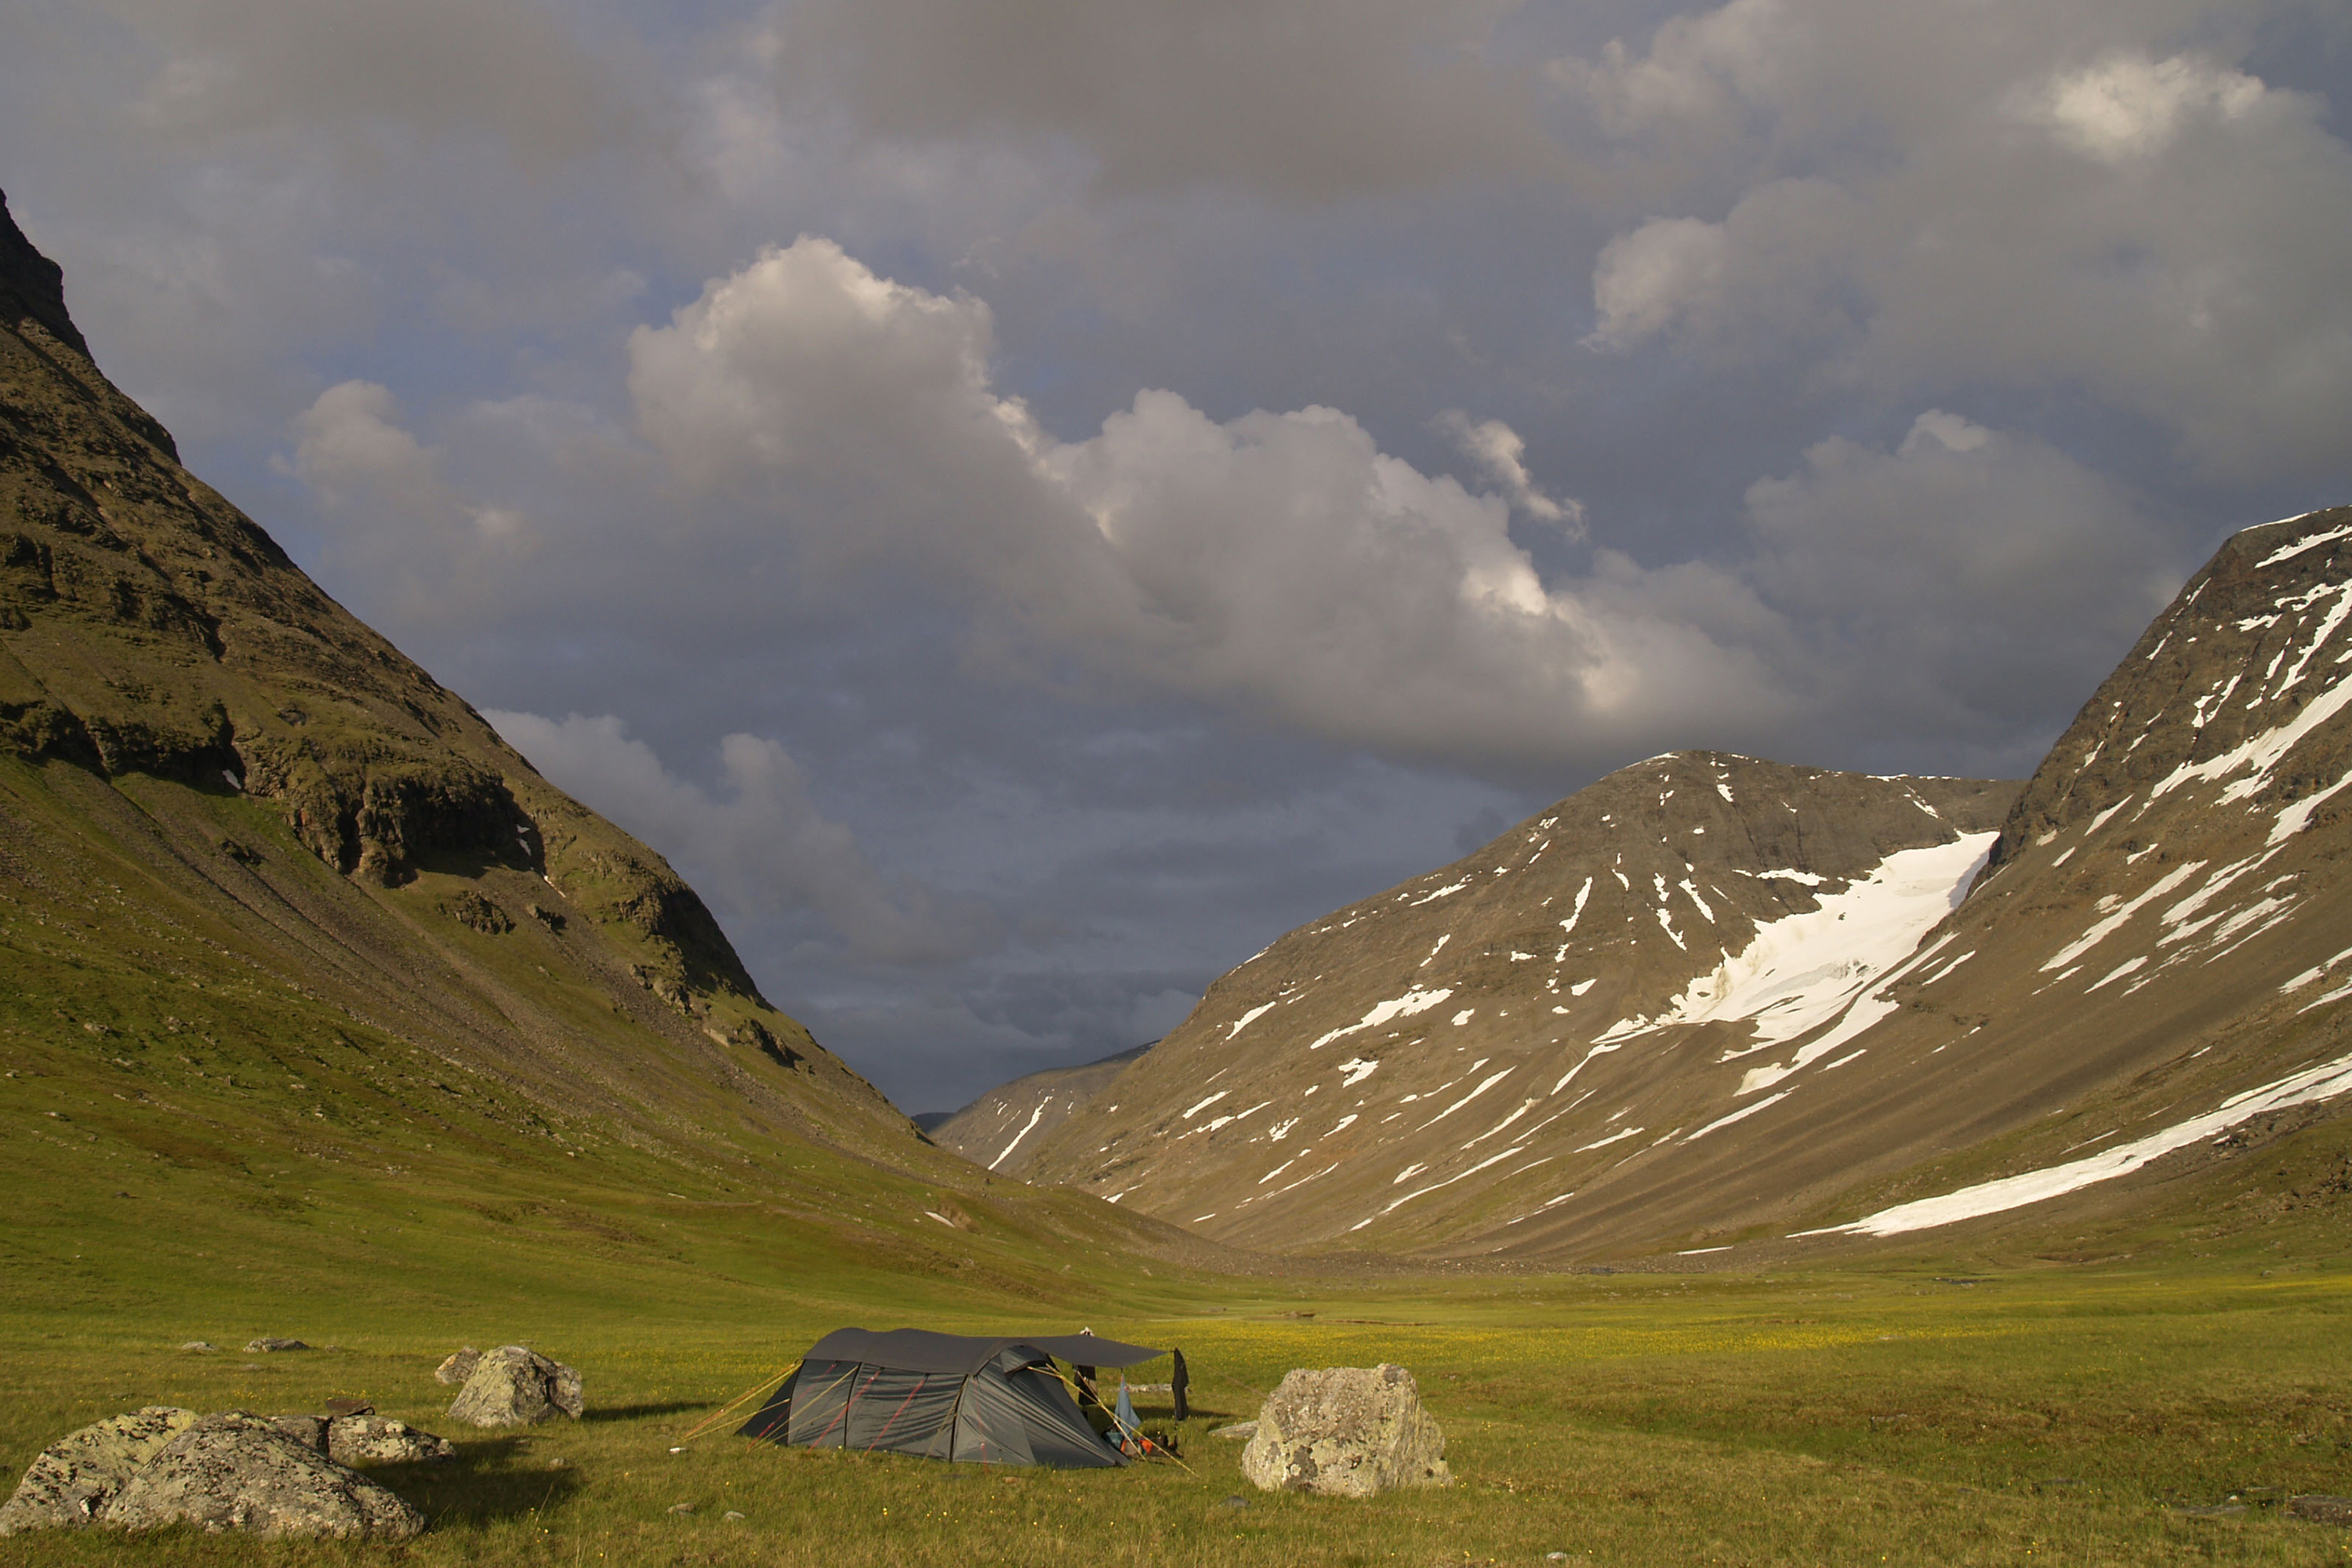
<point x="2077" y="1414"/>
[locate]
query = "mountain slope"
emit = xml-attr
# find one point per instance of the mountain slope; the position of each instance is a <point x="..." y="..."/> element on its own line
<point x="281" y="917"/>
<point x="151" y="634"/>
<point x="1004" y="1128"/>
<point x="2153" y="957"/>
<point x="1466" y="1029"/>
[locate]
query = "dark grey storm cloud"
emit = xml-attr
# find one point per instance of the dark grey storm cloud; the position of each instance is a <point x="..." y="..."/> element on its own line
<point x="1024" y="503"/>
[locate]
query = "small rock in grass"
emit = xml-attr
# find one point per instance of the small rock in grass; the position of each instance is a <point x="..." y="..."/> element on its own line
<point x="269" y="1343"/>
<point x="1555" y="1556"/>
<point x="730" y="1513"/>
<point x="681" y="1508"/>
<point x="2321" y="1510"/>
<point x="200" y="1347"/>
<point x="1235" y="1501"/>
<point x="74" y="1479"/>
<point x="459" y="1367"/>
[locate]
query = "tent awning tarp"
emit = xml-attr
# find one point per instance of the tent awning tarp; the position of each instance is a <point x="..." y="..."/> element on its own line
<point x="920" y="1349"/>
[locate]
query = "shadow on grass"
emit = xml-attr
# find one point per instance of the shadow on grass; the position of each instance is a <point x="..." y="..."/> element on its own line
<point x="635" y="1412"/>
<point x="482" y="1483"/>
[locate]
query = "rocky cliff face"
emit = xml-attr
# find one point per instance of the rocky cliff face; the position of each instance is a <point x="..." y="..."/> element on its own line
<point x="180" y="705"/>
<point x="1709" y="1001"/>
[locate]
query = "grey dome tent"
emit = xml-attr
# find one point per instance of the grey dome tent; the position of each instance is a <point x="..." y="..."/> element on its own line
<point x="944" y="1397"/>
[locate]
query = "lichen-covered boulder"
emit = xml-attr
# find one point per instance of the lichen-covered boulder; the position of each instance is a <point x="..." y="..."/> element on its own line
<point x="1346" y="1431"/>
<point x="516" y="1386"/>
<point x="459" y="1367"/>
<point x="237" y="1471"/>
<point x="311" y="1431"/>
<point x="378" y="1440"/>
<point x="73" y="1480"/>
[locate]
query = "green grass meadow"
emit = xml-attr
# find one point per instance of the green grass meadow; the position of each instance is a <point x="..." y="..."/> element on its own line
<point x="2068" y="1415"/>
<point x="194" y="1147"/>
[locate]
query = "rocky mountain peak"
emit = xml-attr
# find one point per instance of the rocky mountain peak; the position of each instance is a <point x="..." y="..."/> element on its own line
<point x="33" y="287"/>
<point x="2238" y="672"/>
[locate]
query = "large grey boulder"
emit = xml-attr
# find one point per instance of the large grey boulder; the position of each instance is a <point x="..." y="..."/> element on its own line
<point x="311" y="1431"/>
<point x="459" y="1367"/>
<point x="378" y="1440"/>
<point x="237" y="1471"/>
<point x="1346" y="1431"/>
<point x="73" y="1480"/>
<point x="516" y="1386"/>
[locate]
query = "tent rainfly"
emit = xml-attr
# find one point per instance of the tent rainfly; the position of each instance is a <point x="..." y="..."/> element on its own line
<point x="944" y="1397"/>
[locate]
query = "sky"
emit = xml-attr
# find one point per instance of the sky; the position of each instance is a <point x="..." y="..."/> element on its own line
<point x="1024" y="504"/>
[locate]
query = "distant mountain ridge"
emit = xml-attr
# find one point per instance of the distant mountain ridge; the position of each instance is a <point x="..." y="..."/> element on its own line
<point x="1460" y="1022"/>
<point x="1003" y="1128"/>
<point x="1644" y="1020"/>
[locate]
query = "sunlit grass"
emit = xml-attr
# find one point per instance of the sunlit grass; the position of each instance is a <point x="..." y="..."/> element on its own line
<point x="1628" y="1418"/>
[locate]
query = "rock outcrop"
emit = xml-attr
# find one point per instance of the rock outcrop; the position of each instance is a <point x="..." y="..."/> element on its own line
<point x="233" y="1471"/>
<point x="514" y="1385"/>
<point x="1346" y="1431"/>
<point x="237" y="1471"/>
<point x="378" y="1440"/>
<point x="70" y="1484"/>
<point x="156" y="643"/>
<point x="458" y="1367"/>
<point x="365" y="1439"/>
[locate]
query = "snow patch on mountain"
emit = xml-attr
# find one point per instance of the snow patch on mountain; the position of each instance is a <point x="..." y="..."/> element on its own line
<point x="2324" y="1081"/>
<point x="1803" y="970"/>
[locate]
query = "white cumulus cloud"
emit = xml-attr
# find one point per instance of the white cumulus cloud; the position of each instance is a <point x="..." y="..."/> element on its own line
<point x="1278" y="562"/>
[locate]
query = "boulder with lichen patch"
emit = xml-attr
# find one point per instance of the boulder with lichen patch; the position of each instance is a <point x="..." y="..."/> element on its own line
<point x="235" y="1471"/>
<point x="514" y="1385"/>
<point x="1346" y="1431"/>
<point x="459" y="1367"/>
<point x="378" y="1440"/>
<point x="73" y="1480"/>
